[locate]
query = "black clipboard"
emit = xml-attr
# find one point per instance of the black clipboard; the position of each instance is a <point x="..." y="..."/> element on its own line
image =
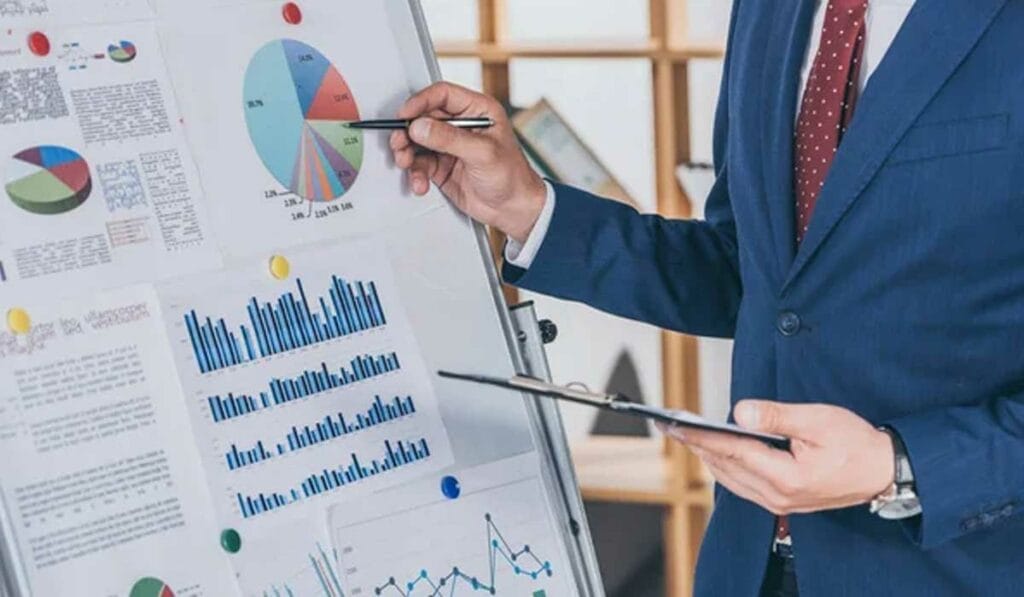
<point x="619" y="404"/>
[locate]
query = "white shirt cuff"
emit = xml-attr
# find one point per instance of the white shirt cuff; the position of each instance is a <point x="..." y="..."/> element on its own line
<point x="522" y="255"/>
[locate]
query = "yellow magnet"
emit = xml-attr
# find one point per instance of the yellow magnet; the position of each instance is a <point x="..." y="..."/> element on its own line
<point x="279" y="267"/>
<point x="18" y="320"/>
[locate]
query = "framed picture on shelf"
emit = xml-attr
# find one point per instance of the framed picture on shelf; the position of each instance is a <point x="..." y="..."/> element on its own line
<point x="559" y="152"/>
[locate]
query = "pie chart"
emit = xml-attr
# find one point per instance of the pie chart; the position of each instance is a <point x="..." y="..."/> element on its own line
<point x="48" y="180"/>
<point x="122" y="52"/>
<point x="296" y="105"/>
<point x="150" y="587"/>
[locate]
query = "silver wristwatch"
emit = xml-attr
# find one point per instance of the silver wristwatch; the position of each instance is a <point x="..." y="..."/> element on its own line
<point x="900" y="500"/>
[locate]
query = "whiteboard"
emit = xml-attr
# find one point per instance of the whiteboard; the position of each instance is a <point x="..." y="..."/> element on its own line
<point x="228" y="387"/>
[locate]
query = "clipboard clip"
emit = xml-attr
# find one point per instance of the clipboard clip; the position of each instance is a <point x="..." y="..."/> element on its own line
<point x="533" y="385"/>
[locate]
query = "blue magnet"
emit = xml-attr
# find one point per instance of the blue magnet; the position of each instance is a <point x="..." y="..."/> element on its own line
<point x="450" y="487"/>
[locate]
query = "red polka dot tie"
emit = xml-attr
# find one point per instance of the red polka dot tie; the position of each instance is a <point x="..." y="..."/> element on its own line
<point x="827" y="107"/>
<point x="826" y="111"/>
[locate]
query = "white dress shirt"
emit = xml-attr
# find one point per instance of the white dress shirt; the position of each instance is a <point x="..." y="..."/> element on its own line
<point x="884" y="20"/>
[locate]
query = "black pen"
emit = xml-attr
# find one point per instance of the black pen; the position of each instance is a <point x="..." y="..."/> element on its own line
<point x="390" y="125"/>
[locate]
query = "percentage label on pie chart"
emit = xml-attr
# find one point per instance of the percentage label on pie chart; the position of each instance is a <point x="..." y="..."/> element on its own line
<point x="296" y="107"/>
<point x="48" y="180"/>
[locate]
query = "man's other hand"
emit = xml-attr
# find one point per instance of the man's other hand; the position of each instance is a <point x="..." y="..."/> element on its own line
<point x="836" y="459"/>
<point x="483" y="172"/>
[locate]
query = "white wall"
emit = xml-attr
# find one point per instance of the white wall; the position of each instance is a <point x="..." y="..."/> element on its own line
<point x="609" y="103"/>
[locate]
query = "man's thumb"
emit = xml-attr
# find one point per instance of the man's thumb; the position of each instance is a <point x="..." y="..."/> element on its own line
<point x="441" y="137"/>
<point x="774" y="417"/>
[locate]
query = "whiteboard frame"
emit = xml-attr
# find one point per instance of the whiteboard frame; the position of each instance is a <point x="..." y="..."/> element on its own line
<point x="522" y="337"/>
<point x="558" y="455"/>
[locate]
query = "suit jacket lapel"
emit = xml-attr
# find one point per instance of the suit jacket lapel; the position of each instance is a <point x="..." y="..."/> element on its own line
<point x="936" y="38"/>
<point x="780" y="83"/>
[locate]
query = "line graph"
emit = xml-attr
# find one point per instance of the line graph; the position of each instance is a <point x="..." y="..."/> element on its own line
<point x="495" y="536"/>
<point x="322" y="573"/>
<point x="450" y="583"/>
<point x="301" y="563"/>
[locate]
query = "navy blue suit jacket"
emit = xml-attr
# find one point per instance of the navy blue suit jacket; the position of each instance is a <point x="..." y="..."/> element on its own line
<point x="905" y="302"/>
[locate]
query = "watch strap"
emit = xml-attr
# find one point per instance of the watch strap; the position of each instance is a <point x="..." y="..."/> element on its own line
<point x="904" y="474"/>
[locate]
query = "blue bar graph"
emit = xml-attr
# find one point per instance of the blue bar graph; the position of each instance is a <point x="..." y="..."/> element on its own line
<point x="287" y="324"/>
<point x="523" y="562"/>
<point x="308" y="383"/>
<point x="396" y="455"/>
<point x="326" y="429"/>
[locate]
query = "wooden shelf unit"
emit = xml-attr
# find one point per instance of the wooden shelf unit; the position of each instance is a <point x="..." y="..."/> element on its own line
<point x="635" y="471"/>
<point x="627" y="470"/>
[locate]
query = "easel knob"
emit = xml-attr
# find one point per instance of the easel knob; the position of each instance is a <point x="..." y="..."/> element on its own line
<point x="548" y="331"/>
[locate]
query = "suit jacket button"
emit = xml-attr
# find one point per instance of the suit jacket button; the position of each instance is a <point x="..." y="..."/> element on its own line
<point x="788" y="323"/>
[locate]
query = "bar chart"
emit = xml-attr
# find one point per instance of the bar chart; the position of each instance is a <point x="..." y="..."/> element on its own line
<point x="310" y="382"/>
<point x="288" y="323"/>
<point x="354" y="470"/>
<point x="308" y="386"/>
<point x="330" y="427"/>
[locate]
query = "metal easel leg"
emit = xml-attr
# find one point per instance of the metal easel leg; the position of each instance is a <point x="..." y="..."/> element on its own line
<point x="532" y="335"/>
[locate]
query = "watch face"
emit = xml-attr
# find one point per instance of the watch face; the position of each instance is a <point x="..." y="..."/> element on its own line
<point x="900" y="508"/>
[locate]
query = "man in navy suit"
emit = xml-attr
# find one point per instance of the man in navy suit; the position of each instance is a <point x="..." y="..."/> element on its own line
<point x="864" y="245"/>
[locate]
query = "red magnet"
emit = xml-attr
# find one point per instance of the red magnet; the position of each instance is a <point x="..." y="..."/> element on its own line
<point x="38" y="43"/>
<point x="292" y="13"/>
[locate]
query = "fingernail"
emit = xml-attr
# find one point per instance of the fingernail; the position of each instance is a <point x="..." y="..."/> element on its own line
<point x="747" y="414"/>
<point x="420" y="129"/>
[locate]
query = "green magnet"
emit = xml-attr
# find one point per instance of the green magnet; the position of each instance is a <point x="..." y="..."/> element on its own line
<point x="230" y="540"/>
